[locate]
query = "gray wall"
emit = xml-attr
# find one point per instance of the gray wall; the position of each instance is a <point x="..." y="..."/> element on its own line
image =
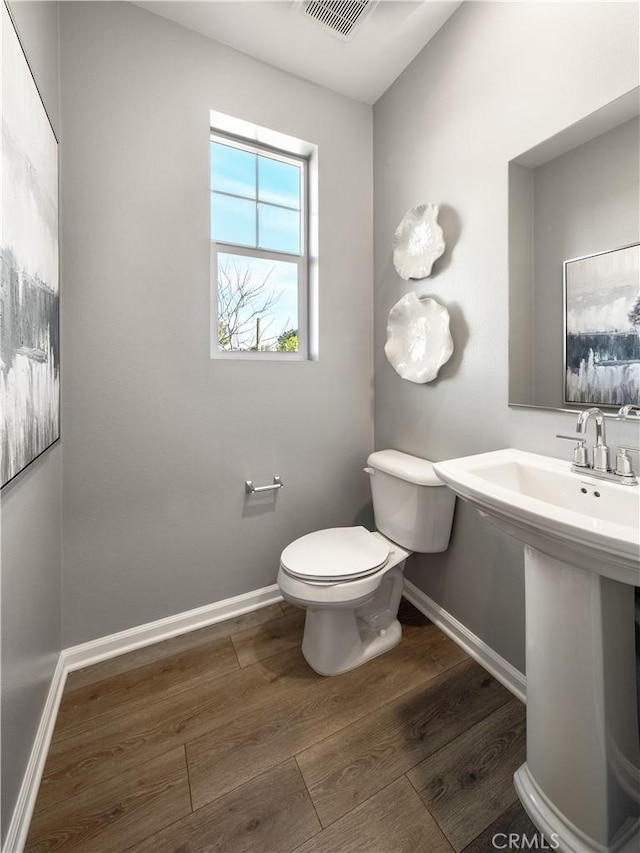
<point x="158" y="438"/>
<point x="497" y="79"/>
<point x="31" y="518"/>
<point x="585" y="201"/>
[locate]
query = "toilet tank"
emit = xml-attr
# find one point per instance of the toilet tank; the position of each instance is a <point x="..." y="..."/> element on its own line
<point x="412" y="507"/>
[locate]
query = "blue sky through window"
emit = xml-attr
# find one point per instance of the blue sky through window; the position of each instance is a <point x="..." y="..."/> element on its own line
<point x="233" y="220"/>
<point x="279" y="228"/>
<point x="232" y="170"/>
<point x="279" y="183"/>
<point x="244" y="184"/>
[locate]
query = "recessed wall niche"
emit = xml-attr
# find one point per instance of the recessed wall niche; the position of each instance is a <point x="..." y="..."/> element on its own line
<point x="572" y="195"/>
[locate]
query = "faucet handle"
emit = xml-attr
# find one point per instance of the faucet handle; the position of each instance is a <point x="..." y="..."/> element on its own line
<point x="580" y="458"/>
<point x="629" y="412"/>
<point x="623" y="463"/>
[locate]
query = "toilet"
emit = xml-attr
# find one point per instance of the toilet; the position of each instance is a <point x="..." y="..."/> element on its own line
<point x="350" y="580"/>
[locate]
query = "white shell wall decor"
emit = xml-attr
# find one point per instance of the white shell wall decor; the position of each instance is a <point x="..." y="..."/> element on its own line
<point x="418" y="338"/>
<point x="418" y="242"/>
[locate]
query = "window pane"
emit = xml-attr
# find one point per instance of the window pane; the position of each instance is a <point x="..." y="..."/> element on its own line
<point x="278" y="183"/>
<point x="278" y="229"/>
<point x="233" y="220"/>
<point x="233" y="170"/>
<point x="257" y="304"/>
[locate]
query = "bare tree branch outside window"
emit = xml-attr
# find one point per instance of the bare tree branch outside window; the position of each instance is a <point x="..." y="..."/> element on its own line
<point x="244" y="306"/>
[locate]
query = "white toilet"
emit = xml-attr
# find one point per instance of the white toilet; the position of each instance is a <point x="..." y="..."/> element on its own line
<point x="350" y="580"/>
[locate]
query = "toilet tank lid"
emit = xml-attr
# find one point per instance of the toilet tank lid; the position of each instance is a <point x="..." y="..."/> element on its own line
<point x="405" y="467"/>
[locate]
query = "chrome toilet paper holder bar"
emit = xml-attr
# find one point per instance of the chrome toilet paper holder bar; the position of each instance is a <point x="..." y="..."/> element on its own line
<point x="250" y="489"/>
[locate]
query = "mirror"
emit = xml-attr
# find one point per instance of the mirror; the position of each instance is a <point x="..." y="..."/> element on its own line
<point x="572" y="196"/>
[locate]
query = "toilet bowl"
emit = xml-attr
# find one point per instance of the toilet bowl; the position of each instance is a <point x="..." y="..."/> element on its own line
<point x="350" y="579"/>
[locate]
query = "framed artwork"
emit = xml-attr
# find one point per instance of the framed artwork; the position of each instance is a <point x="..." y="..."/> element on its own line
<point x="602" y="328"/>
<point x="29" y="286"/>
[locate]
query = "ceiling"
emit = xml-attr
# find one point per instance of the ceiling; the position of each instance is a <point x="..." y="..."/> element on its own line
<point x="276" y="32"/>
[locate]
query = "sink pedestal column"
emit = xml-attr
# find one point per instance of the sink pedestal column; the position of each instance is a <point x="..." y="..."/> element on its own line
<point x="581" y="782"/>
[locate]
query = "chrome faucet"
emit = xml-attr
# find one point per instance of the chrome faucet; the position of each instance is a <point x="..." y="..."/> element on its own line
<point x="600" y="449"/>
<point x="623" y="472"/>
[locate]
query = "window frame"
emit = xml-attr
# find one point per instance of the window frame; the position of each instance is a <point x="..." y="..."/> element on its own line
<point x="301" y="260"/>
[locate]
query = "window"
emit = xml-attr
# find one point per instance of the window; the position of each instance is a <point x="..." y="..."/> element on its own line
<point x="259" y="250"/>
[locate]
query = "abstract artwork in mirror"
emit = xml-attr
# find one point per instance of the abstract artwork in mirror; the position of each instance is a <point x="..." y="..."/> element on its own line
<point x="418" y="242"/>
<point x="602" y="328"/>
<point x="29" y="325"/>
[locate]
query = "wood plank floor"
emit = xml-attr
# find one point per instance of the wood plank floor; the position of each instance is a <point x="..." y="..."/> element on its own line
<point x="225" y="740"/>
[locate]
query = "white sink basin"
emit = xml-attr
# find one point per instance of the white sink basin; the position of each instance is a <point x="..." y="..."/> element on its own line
<point x="581" y="782"/>
<point x="591" y="523"/>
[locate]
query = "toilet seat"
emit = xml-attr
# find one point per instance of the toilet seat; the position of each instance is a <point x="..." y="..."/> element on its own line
<point x="335" y="554"/>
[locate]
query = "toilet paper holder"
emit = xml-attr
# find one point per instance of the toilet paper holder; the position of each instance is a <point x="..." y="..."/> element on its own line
<point x="250" y="489"/>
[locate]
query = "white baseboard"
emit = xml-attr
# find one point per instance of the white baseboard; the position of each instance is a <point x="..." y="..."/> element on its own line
<point x="85" y="654"/>
<point x="23" y="811"/>
<point x="494" y="663"/>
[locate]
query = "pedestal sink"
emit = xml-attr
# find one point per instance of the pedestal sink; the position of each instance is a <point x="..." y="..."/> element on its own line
<point x="581" y="781"/>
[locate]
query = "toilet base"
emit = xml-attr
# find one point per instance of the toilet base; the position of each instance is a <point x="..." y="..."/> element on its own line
<point x="336" y="641"/>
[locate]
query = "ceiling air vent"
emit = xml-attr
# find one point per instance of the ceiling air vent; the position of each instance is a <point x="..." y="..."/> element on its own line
<point x="341" y="17"/>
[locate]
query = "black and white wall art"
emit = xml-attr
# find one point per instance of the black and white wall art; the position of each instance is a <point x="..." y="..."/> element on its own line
<point x="602" y="328"/>
<point x="29" y="287"/>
